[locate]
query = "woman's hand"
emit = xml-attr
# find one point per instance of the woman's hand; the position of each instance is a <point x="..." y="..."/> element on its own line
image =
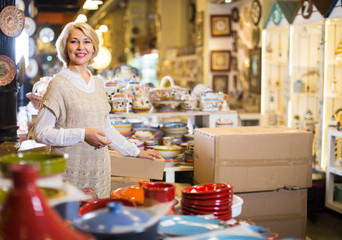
<point x="149" y="154"/>
<point x="96" y="138"/>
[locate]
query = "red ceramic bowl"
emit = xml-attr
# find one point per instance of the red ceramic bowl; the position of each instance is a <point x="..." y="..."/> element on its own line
<point x="208" y="189"/>
<point x="222" y="197"/>
<point x="207" y="203"/>
<point x="102" y="203"/>
<point x="224" y="217"/>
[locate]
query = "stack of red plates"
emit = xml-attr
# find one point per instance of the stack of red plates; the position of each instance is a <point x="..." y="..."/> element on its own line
<point x="213" y="198"/>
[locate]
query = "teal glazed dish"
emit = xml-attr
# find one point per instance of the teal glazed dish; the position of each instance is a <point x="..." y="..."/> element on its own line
<point x="49" y="163"/>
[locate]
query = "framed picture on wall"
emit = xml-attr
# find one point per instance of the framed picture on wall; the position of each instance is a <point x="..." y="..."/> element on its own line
<point x="220" y="60"/>
<point x="199" y="28"/>
<point x="255" y="70"/>
<point x="220" y="25"/>
<point x="220" y="83"/>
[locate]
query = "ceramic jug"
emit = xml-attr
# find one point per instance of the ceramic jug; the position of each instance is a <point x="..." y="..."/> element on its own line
<point x="141" y="103"/>
<point x="118" y="102"/>
<point x="25" y="213"/>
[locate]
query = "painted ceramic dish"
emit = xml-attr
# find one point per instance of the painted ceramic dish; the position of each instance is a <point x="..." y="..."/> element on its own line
<point x="30" y="26"/>
<point x="168" y="151"/>
<point x="20" y="4"/>
<point x="181" y="225"/>
<point x="46" y="35"/>
<point x="7" y="70"/>
<point x="12" y="21"/>
<point x="49" y="163"/>
<point x="32" y="68"/>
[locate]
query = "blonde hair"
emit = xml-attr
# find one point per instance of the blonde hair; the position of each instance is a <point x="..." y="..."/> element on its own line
<point x="61" y="43"/>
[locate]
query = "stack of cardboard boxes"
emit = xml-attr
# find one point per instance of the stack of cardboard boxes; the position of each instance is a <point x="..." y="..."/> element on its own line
<point x="269" y="167"/>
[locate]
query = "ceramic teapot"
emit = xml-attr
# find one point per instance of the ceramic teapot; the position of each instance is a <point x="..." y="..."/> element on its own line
<point x="125" y="73"/>
<point x="118" y="102"/>
<point x="141" y="102"/>
<point x="210" y="101"/>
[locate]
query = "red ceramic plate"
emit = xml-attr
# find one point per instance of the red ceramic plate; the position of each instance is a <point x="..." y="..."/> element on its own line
<point x="206" y="189"/>
<point x="218" y="212"/>
<point x="102" y="203"/>
<point x="7" y="70"/>
<point x="222" y="197"/>
<point x="12" y="21"/>
<point x="208" y="208"/>
<point x="224" y="217"/>
<point x="210" y="203"/>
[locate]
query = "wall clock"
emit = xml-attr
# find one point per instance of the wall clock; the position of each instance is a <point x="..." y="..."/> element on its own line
<point x="255" y="12"/>
<point x="306" y="8"/>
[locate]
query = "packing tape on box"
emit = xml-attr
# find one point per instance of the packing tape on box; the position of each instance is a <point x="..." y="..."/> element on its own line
<point x="261" y="162"/>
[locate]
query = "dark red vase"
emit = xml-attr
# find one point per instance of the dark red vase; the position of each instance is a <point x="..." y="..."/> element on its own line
<point x="25" y="213"/>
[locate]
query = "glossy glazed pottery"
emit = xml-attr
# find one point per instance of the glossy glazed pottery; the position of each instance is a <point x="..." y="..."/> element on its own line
<point x="170" y="92"/>
<point x="118" y="102"/>
<point x="141" y="102"/>
<point x="117" y="222"/>
<point x="171" y="151"/>
<point x="102" y="203"/>
<point x="38" y="91"/>
<point x="49" y="163"/>
<point x="158" y="192"/>
<point x="25" y="211"/>
<point x="133" y="193"/>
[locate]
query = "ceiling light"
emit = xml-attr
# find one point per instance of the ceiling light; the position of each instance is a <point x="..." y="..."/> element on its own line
<point x="91" y="5"/>
<point x="81" y="18"/>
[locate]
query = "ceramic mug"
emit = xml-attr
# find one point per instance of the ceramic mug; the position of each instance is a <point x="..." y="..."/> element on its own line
<point x="159" y="192"/>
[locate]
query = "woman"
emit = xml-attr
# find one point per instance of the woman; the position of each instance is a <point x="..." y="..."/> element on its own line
<point x="74" y="118"/>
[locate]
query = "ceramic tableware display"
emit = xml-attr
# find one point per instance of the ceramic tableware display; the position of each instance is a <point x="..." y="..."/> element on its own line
<point x="189" y="102"/>
<point x="168" y="92"/>
<point x="213" y="198"/>
<point x="12" y="21"/>
<point x="25" y="211"/>
<point x="117" y="222"/>
<point x="102" y="203"/>
<point x="210" y="101"/>
<point x="124" y="74"/>
<point x="133" y="193"/>
<point x="118" y="102"/>
<point x="141" y="102"/>
<point x="49" y="163"/>
<point x="38" y="91"/>
<point x="175" y="129"/>
<point x="7" y="70"/>
<point x="159" y="192"/>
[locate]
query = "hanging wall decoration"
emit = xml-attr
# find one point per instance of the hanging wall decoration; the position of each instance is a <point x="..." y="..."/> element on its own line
<point x="7" y="70"/>
<point x="220" y="25"/>
<point x="255" y="12"/>
<point x="30" y="26"/>
<point x="255" y="71"/>
<point x="220" y="60"/>
<point x="12" y="21"/>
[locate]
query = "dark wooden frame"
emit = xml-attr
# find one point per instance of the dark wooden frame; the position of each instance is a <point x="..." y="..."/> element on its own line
<point x="220" y="60"/>
<point x="255" y="70"/>
<point x="227" y="21"/>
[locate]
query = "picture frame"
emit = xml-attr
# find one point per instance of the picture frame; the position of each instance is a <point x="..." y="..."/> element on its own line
<point x="220" y="60"/>
<point x="255" y="70"/>
<point x="220" y="83"/>
<point x="199" y="28"/>
<point x="220" y="25"/>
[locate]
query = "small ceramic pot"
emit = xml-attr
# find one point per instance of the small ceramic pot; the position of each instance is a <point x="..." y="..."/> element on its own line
<point x="141" y="103"/>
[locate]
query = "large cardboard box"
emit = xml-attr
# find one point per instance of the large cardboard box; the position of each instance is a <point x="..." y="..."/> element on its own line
<point x="283" y="212"/>
<point x="253" y="158"/>
<point x="136" y="167"/>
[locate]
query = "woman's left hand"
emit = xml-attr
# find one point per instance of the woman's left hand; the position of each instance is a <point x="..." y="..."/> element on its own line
<point x="150" y="154"/>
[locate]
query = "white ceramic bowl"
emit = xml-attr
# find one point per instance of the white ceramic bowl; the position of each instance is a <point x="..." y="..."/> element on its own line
<point x="168" y="151"/>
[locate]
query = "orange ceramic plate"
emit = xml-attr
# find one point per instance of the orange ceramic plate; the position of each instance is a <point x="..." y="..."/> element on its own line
<point x="134" y="193"/>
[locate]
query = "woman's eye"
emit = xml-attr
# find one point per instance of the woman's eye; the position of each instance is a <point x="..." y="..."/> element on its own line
<point x="73" y="41"/>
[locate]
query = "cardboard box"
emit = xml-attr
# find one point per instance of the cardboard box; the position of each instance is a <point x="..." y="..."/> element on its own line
<point x="136" y="167"/>
<point x="283" y="212"/>
<point x="253" y="158"/>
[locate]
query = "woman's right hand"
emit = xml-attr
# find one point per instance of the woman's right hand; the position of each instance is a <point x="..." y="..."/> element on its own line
<point x="96" y="138"/>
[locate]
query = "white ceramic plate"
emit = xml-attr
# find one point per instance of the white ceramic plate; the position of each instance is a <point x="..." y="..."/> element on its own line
<point x="32" y="47"/>
<point x="46" y="35"/>
<point x="30" y="26"/>
<point x="20" y="4"/>
<point x="32" y="68"/>
<point x="12" y="21"/>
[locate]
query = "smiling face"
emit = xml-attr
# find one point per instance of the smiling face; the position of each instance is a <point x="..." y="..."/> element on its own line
<point x="79" y="48"/>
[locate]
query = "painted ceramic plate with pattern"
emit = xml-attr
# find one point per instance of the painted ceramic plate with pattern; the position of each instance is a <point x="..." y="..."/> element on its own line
<point x="32" y="68"/>
<point x="7" y="70"/>
<point x="30" y="26"/>
<point x="46" y="35"/>
<point x="12" y="21"/>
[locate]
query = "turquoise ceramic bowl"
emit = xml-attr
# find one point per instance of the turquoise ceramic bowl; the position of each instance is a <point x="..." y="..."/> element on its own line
<point x="48" y="163"/>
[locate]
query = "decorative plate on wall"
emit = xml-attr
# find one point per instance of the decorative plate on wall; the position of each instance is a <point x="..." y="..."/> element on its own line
<point x="46" y="35"/>
<point x="30" y="26"/>
<point x="255" y="12"/>
<point x="32" y="68"/>
<point x="7" y="70"/>
<point x="20" y="4"/>
<point x="32" y="47"/>
<point x="12" y="21"/>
